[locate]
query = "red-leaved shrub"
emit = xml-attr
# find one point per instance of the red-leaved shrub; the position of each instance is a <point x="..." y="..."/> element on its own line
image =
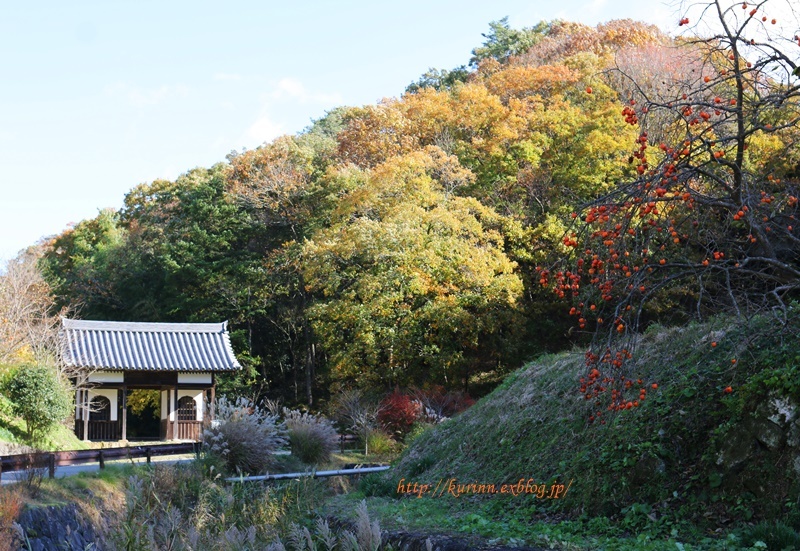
<point x="398" y="413"/>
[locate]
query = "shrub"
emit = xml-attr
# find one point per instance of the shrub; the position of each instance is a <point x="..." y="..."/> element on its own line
<point x="179" y="485"/>
<point x="244" y="435"/>
<point x="36" y="467"/>
<point x="775" y="535"/>
<point x="39" y="397"/>
<point x="416" y="431"/>
<point x="312" y="438"/>
<point x="308" y="445"/>
<point x="379" y="443"/>
<point x="378" y="485"/>
<point x="177" y="507"/>
<point x="367" y="536"/>
<point x="398" y="413"/>
<point x="6" y="405"/>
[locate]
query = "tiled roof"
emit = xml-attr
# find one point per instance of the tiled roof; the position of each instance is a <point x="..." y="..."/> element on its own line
<point x="139" y="346"/>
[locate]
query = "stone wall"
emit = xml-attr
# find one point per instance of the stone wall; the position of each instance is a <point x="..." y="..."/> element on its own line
<point x="57" y="527"/>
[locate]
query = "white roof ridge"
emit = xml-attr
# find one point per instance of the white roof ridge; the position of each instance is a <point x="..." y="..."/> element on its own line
<point x="145" y="326"/>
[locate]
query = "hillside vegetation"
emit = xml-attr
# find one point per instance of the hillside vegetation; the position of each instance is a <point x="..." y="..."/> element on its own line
<point x="717" y="444"/>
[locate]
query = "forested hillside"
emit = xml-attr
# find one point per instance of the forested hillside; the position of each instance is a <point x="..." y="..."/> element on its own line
<point x="571" y="184"/>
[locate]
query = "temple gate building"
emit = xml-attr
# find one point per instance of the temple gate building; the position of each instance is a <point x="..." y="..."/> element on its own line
<point x="180" y="360"/>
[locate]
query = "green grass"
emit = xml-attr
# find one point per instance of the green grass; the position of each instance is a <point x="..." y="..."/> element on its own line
<point x="6" y="435"/>
<point x="63" y="438"/>
<point x="496" y="522"/>
<point x="60" y="437"/>
<point x="92" y="491"/>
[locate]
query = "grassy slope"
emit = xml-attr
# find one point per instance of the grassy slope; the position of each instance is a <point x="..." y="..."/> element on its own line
<point x="12" y="438"/>
<point x="653" y="468"/>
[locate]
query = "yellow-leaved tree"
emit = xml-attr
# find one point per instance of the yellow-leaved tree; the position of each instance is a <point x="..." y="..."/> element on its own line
<point x="412" y="283"/>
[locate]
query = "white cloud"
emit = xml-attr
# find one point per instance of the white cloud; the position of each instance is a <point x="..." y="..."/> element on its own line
<point x="279" y="107"/>
<point x="264" y="129"/>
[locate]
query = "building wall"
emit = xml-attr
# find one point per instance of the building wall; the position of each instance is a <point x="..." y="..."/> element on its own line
<point x="111" y="394"/>
<point x="198" y="396"/>
<point x="194" y="378"/>
<point x="165" y="399"/>
<point x="106" y="377"/>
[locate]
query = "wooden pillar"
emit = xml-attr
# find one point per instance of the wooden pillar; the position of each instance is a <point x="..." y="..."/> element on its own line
<point x="124" y="412"/>
<point x="85" y="414"/>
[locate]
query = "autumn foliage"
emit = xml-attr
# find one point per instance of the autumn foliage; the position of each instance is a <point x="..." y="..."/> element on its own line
<point x="574" y="184"/>
<point x="708" y="222"/>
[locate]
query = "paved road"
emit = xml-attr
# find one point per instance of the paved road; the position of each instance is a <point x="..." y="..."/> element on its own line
<point x="14" y="476"/>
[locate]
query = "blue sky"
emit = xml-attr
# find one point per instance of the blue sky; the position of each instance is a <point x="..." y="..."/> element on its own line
<point x="98" y="97"/>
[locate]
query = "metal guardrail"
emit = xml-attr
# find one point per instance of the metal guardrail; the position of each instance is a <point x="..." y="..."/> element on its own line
<point x="312" y="474"/>
<point x="51" y="460"/>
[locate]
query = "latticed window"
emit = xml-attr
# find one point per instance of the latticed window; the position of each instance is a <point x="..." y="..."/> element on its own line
<point x="187" y="409"/>
<point x="100" y="409"/>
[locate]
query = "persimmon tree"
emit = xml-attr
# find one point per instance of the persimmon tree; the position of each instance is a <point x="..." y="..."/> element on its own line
<point x="710" y="222"/>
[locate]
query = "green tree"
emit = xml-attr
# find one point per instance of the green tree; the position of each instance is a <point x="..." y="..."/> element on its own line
<point x="38" y="397"/>
<point x="401" y="234"/>
<point x="503" y="42"/>
<point x="183" y="250"/>
<point x="439" y="79"/>
<point x="413" y="284"/>
<point x="79" y="264"/>
<point x="281" y="183"/>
